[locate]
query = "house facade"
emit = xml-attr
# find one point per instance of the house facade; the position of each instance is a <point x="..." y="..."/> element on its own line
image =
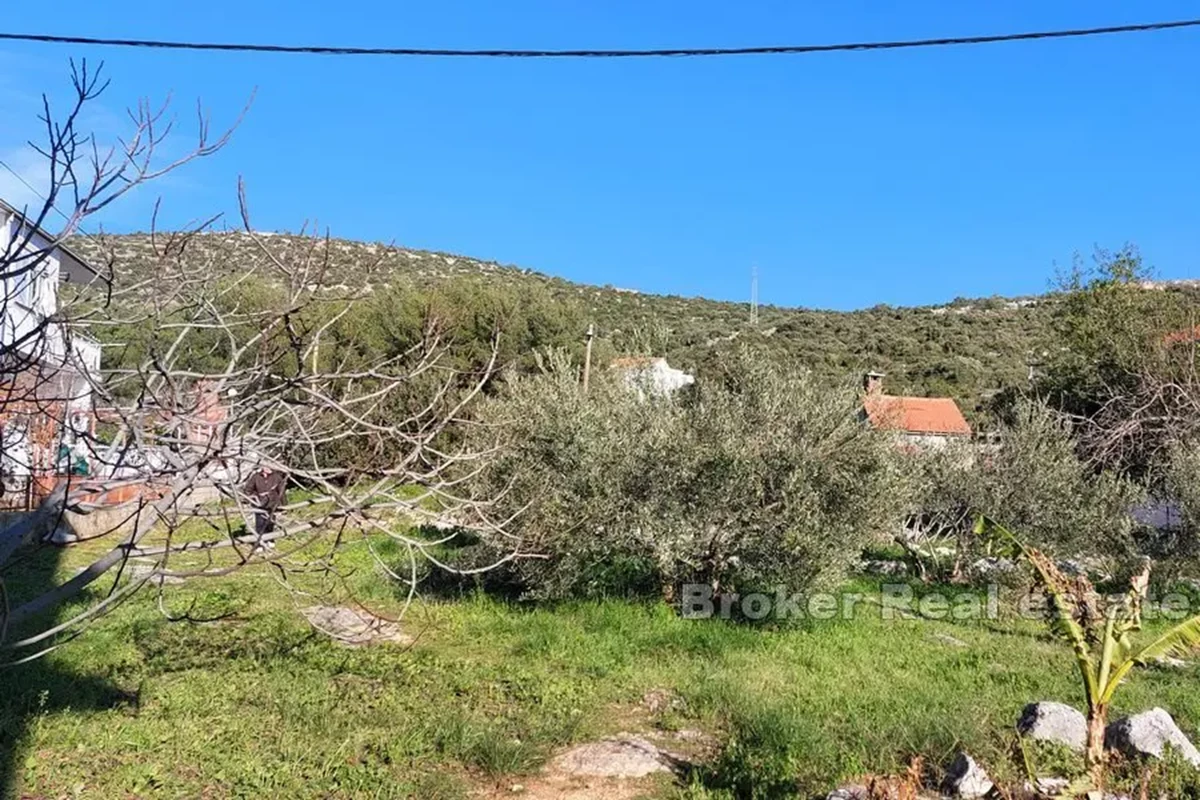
<point x="46" y="365"/>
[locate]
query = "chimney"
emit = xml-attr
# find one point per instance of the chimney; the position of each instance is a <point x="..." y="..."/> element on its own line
<point x="873" y="382"/>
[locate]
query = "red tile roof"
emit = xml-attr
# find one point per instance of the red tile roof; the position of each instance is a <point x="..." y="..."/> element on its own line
<point x="1180" y="337"/>
<point x="920" y="415"/>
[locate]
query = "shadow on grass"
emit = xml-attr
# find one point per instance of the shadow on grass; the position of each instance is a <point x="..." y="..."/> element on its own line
<point x="42" y="686"/>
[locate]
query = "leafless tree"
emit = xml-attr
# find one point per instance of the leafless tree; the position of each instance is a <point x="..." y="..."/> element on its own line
<point x="84" y="176"/>
<point x="236" y="366"/>
<point x="1151" y="408"/>
<point x="38" y="359"/>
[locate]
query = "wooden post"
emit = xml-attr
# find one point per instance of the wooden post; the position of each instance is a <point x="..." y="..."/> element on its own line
<point x="587" y="357"/>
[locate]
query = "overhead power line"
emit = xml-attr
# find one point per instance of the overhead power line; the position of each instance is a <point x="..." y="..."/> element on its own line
<point x="665" y="52"/>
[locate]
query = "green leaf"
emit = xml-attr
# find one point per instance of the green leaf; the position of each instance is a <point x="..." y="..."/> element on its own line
<point x="1181" y="640"/>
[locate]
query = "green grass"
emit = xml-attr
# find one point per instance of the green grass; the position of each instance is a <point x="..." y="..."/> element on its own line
<point x="257" y="704"/>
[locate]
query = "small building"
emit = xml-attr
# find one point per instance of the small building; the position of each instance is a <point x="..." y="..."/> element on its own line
<point x="46" y="365"/>
<point x="651" y="375"/>
<point x="922" y="422"/>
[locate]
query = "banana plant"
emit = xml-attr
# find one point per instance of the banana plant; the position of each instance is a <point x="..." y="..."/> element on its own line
<point x="1099" y="633"/>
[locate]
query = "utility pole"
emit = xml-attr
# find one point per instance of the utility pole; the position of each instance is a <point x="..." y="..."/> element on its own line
<point x="754" y="296"/>
<point x="587" y="356"/>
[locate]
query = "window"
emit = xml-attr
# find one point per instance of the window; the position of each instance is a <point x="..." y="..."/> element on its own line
<point x="23" y="288"/>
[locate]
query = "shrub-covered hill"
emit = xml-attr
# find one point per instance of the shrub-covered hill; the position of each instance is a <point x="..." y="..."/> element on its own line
<point x="969" y="349"/>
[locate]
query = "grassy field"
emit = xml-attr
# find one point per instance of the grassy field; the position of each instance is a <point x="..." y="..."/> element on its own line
<point x="257" y="704"/>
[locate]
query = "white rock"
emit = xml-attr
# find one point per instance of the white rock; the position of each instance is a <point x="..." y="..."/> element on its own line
<point x="1148" y="733"/>
<point x="623" y="756"/>
<point x="891" y="568"/>
<point x="991" y="565"/>
<point x="1047" y="787"/>
<point x="1171" y="662"/>
<point x="1054" y="722"/>
<point x="967" y="779"/>
<point x="354" y="627"/>
<point x="849" y="793"/>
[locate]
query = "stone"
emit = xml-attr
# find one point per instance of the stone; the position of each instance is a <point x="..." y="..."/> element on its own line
<point x="622" y="756"/>
<point x="63" y="534"/>
<point x="658" y="701"/>
<point x="1170" y="662"/>
<point x="1073" y="568"/>
<point x="1054" y="722"/>
<point x="1149" y="733"/>
<point x="965" y="778"/>
<point x="1083" y="568"/>
<point x="1047" y="787"/>
<point x="849" y="793"/>
<point x="990" y="566"/>
<point x="895" y="569"/>
<point x="353" y="627"/>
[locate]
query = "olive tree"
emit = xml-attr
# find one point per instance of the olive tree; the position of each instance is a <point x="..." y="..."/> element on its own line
<point x="750" y="479"/>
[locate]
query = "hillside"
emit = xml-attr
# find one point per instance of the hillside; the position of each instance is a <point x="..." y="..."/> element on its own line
<point x="969" y="349"/>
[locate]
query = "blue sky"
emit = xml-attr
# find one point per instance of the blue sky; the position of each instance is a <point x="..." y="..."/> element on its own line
<point x="849" y="179"/>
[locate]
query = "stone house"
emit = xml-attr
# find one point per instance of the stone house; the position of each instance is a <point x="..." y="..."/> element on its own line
<point x="920" y="422"/>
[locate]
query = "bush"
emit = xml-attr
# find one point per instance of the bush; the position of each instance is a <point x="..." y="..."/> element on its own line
<point x="753" y="479"/>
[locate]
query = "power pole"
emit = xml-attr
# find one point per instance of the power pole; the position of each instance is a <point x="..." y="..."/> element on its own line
<point x="754" y="296"/>
<point x="587" y="356"/>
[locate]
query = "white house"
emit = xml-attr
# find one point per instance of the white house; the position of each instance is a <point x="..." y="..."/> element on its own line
<point x="45" y="363"/>
<point x="32" y="267"/>
<point x="647" y="374"/>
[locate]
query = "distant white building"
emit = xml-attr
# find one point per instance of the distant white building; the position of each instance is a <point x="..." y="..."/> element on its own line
<point x="651" y="375"/>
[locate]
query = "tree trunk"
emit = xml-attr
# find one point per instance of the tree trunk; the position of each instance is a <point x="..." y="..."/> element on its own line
<point x="1096" y="722"/>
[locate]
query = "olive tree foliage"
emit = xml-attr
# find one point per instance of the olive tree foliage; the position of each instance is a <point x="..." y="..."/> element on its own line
<point x="469" y="310"/>
<point x="753" y="479"/>
<point x="1032" y="478"/>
